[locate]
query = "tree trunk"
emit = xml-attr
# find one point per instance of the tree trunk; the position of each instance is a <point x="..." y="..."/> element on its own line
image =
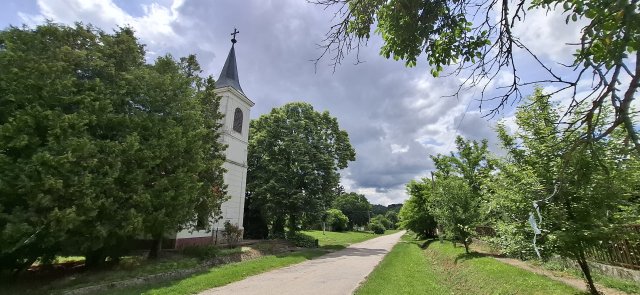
<point x="466" y="246"/>
<point x="586" y="271"/>
<point x="156" y="247"/>
<point x="278" y="227"/>
<point x="94" y="259"/>
<point x="293" y="223"/>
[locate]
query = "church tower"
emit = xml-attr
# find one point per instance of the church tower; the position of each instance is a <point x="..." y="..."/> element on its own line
<point x="235" y="106"/>
<point x="235" y="134"/>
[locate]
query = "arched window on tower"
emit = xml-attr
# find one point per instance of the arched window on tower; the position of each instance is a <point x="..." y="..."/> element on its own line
<point x="237" y="121"/>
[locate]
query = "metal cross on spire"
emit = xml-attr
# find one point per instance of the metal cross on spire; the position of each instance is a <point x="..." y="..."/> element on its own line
<point x="235" y="31"/>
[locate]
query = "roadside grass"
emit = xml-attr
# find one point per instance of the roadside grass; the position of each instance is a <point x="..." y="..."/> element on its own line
<point x="340" y="240"/>
<point x="221" y="275"/>
<point x="129" y="267"/>
<point x="561" y="269"/>
<point x="443" y="269"/>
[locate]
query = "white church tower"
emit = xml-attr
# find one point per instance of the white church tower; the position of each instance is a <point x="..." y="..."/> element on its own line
<point x="235" y="105"/>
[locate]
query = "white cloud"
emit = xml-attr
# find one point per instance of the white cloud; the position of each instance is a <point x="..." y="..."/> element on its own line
<point x="154" y="27"/>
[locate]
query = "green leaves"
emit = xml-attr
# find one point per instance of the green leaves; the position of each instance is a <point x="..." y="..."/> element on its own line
<point x="294" y="157"/>
<point x="91" y="135"/>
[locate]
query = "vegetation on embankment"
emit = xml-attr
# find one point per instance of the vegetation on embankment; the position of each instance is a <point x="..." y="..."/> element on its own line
<point x="430" y="267"/>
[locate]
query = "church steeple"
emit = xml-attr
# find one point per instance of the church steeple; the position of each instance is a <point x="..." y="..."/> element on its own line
<point x="229" y="73"/>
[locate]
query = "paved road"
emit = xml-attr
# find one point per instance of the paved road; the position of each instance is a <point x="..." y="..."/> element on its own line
<point x="336" y="273"/>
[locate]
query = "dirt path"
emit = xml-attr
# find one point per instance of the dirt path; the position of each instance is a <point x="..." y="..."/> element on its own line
<point x="571" y="281"/>
<point x="337" y="273"/>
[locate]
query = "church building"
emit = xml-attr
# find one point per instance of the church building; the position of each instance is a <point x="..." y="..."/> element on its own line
<point x="236" y="106"/>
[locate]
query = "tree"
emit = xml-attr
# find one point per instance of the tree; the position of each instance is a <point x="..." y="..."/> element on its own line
<point x="382" y="220"/>
<point x="294" y="157"/>
<point x="355" y="206"/>
<point x="392" y="216"/>
<point x="92" y="140"/>
<point x="565" y="181"/>
<point x="337" y="220"/>
<point x="478" y="38"/>
<point x="179" y="133"/>
<point x="456" y="208"/>
<point x="415" y="214"/>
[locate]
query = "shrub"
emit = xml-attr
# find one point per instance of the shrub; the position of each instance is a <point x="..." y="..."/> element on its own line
<point x="302" y="240"/>
<point x="337" y="220"/>
<point x="377" y="227"/>
<point x="202" y="252"/>
<point x="232" y="234"/>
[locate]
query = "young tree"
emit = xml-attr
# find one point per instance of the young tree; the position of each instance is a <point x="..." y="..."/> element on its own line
<point x="337" y="220"/>
<point x="577" y="187"/>
<point x="478" y="37"/>
<point x="294" y="157"/>
<point x="415" y="214"/>
<point x="456" y="208"/>
<point x="355" y="206"/>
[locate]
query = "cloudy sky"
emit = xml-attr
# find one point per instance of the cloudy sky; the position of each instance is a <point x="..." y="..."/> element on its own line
<point x="395" y="116"/>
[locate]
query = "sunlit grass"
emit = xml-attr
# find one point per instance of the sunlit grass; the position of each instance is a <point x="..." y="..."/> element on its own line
<point x="443" y="269"/>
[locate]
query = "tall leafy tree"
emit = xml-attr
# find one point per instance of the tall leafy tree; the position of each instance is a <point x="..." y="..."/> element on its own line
<point x="295" y="153"/>
<point x="577" y="188"/>
<point x="415" y="214"/>
<point x="355" y="206"/>
<point x="456" y="208"/>
<point x="93" y="140"/>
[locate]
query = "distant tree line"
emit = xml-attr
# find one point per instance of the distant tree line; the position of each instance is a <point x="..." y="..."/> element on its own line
<point x="549" y="188"/>
<point x="99" y="147"/>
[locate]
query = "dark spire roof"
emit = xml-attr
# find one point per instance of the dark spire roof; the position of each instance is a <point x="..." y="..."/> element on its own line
<point x="229" y="73"/>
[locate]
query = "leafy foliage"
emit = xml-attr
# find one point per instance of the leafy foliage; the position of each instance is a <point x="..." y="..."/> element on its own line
<point x="415" y="215"/>
<point x="232" y="234"/>
<point x="302" y="240"/>
<point x="377" y="227"/>
<point x="337" y="220"/>
<point x="91" y="135"/>
<point x="294" y="157"/>
<point x="355" y="206"/>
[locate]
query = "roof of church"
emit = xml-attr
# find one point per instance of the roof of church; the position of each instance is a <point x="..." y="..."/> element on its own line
<point x="229" y="73"/>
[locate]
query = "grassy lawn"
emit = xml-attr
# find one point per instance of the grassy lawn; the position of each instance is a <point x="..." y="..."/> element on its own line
<point x="339" y="240"/>
<point x="443" y="269"/>
<point x="222" y="275"/>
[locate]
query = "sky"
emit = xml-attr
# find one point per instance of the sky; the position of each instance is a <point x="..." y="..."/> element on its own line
<point x="395" y="116"/>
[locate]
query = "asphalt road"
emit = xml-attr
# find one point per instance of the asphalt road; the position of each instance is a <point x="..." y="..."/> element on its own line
<point x="339" y="272"/>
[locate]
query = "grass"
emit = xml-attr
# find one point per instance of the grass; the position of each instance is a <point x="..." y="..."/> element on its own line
<point x="562" y="269"/>
<point x="221" y="275"/>
<point x="339" y="240"/>
<point x="443" y="269"/>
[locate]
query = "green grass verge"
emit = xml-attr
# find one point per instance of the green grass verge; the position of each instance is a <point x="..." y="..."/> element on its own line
<point x="221" y="275"/>
<point x="561" y="269"/>
<point x="443" y="269"/>
<point x="339" y="240"/>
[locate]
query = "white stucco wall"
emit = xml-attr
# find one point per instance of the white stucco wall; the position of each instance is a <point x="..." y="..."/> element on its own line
<point x="236" y="164"/>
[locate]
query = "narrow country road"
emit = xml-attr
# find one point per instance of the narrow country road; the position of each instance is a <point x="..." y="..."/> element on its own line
<point x="336" y="273"/>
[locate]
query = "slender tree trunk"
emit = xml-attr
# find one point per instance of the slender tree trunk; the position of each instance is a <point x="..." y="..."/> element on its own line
<point x="466" y="246"/>
<point x="293" y="223"/>
<point x="586" y="271"/>
<point x="94" y="259"/>
<point x="278" y="227"/>
<point x="156" y="247"/>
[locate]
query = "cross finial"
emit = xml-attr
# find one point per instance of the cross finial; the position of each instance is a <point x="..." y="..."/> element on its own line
<point x="235" y="31"/>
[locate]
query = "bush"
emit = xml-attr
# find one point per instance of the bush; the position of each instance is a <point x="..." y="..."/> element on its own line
<point x="377" y="227"/>
<point x="202" y="252"/>
<point x="232" y="234"/>
<point x="302" y="240"/>
<point x="337" y="220"/>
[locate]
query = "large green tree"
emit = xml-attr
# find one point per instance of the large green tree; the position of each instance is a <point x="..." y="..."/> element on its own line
<point x="94" y="143"/>
<point x="580" y="190"/>
<point x="415" y="214"/>
<point x="478" y="39"/>
<point x="295" y="153"/>
<point x="355" y="206"/>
